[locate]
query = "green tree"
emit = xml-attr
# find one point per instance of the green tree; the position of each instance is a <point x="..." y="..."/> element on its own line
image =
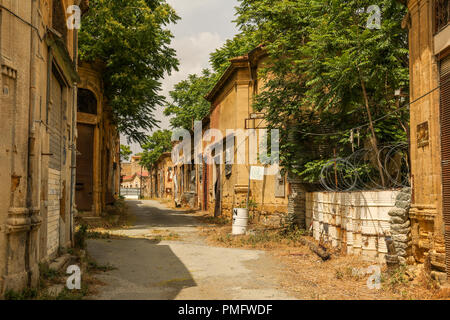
<point x="125" y="153"/>
<point x="131" y="39"/>
<point x="329" y="73"/>
<point x="156" y="144"/>
<point x="188" y="103"/>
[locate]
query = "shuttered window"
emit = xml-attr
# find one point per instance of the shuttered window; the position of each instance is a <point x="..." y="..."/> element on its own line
<point x="55" y="120"/>
<point x="445" y="133"/>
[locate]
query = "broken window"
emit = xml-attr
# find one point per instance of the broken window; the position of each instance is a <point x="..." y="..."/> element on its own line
<point x="87" y="102"/>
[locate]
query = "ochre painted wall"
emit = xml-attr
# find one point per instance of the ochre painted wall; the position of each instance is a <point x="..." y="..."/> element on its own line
<point x="426" y="210"/>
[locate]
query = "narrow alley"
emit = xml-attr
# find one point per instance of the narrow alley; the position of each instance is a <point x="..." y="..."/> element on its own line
<point x="187" y="268"/>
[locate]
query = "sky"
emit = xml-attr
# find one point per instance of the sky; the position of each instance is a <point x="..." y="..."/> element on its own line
<point x="205" y="25"/>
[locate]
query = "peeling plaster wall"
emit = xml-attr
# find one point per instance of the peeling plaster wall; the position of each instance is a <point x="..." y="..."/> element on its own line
<point x="24" y="142"/>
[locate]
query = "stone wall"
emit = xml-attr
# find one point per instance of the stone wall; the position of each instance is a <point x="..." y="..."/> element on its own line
<point x="357" y="222"/>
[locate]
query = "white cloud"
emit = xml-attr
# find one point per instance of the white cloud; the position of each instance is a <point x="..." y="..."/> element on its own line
<point x="193" y="52"/>
<point x="205" y="25"/>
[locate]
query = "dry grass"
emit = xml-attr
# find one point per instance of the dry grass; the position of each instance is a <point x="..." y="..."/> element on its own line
<point x="52" y="283"/>
<point x="343" y="277"/>
<point x="116" y="216"/>
<point x="156" y="235"/>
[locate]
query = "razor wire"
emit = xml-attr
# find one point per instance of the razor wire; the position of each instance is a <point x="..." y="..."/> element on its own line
<point x="361" y="170"/>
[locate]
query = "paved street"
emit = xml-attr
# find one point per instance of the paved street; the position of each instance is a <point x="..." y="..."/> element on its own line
<point x="187" y="268"/>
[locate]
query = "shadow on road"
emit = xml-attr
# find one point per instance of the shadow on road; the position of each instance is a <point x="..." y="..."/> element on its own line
<point x="145" y="270"/>
<point x="159" y="216"/>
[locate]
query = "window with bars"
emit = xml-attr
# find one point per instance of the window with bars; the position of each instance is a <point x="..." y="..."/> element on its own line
<point x="442" y="14"/>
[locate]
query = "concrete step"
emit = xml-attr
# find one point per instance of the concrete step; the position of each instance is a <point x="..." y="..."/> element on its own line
<point x="62" y="262"/>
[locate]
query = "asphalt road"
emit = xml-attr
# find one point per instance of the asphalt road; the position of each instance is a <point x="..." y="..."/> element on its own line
<point x="188" y="268"/>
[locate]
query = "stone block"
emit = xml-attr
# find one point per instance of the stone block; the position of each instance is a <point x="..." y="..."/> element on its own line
<point x="402" y="245"/>
<point x="401" y="231"/>
<point x="404" y="197"/>
<point x="397" y="227"/>
<point x="401" y="252"/>
<point x="403" y="204"/>
<point x="439" y="276"/>
<point x="406" y="190"/>
<point x="398" y="212"/>
<point x="401" y="237"/>
<point x="398" y="220"/>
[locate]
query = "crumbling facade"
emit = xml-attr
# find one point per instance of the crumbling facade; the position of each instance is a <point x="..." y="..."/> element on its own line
<point x="429" y="40"/>
<point x="38" y="56"/>
<point x="162" y="178"/>
<point x="98" y="145"/>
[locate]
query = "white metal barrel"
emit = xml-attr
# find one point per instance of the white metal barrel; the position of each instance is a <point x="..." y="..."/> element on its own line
<point x="240" y="221"/>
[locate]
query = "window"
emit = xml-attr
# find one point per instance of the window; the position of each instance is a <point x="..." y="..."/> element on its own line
<point x="59" y="19"/>
<point x="87" y="102"/>
<point x="442" y="14"/>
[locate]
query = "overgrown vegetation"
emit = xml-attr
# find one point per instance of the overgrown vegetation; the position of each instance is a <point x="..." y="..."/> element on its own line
<point x="188" y="102"/>
<point x="80" y="236"/>
<point x="52" y="283"/>
<point x="333" y="86"/>
<point x="330" y="74"/>
<point x="259" y="237"/>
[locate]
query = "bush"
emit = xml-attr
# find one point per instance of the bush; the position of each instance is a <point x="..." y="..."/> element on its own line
<point x="80" y="237"/>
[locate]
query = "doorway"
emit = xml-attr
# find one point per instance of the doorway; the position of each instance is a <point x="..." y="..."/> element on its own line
<point x="218" y="192"/>
<point x="85" y="168"/>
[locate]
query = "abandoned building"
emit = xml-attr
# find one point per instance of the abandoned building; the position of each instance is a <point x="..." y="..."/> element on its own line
<point x="135" y="179"/>
<point x="98" y="145"/>
<point x="429" y="41"/>
<point x="226" y="186"/>
<point x="161" y="178"/>
<point x="38" y="57"/>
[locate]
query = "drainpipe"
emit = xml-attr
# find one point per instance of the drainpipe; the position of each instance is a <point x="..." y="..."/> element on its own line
<point x="73" y="165"/>
<point x="33" y="174"/>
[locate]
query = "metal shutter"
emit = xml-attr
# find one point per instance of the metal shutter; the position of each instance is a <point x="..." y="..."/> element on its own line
<point x="55" y="120"/>
<point x="445" y="141"/>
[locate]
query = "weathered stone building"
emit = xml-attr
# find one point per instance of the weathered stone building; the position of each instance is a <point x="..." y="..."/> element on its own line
<point x="429" y="38"/>
<point x="161" y="182"/>
<point x="132" y="167"/>
<point x="231" y="109"/>
<point x="98" y="145"/>
<point x="38" y="79"/>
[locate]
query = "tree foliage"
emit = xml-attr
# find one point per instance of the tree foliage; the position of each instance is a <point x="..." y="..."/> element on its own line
<point x="241" y="44"/>
<point x="156" y="144"/>
<point x="131" y="39"/>
<point x="125" y="152"/>
<point x="323" y="64"/>
<point x="188" y="103"/>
